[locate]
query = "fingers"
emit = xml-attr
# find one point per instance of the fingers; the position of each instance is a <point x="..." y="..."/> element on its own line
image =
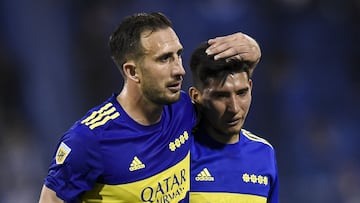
<point x="220" y="44"/>
<point x="235" y="46"/>
<point x="231" y="37"/>
<point x="240" y="52"/>
<point x="232" y="52"/>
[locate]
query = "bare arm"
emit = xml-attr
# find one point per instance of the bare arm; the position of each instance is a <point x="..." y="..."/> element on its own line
<point x="49" y="196"/>
<point x="236" y="46"/>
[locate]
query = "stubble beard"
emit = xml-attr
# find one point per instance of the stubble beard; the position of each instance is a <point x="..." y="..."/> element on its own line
<point x="161" y="97"/>
<point x="224" y="130"/>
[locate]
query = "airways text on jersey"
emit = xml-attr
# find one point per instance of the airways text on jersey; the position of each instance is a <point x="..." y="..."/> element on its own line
<point x="168" y="186"/>
<point x="164" y="190"/>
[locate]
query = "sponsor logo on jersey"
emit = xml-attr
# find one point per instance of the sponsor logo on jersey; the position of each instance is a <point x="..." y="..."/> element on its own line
<point x="101" y="116"/>
<point x="204" y="175"/>
<point x="136" y="164"/>
<point x="255" y="179"/>
<point x="167" y="190"/>
<point x="178" y="142"/>
<point x="168" y="186"/>
<point x="62" y="152"/>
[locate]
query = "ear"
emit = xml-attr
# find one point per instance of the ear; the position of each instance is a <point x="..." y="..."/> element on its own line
<point x="250" y="84"/>
<point x="131" y="71"/>
<point x="195" y="95"/>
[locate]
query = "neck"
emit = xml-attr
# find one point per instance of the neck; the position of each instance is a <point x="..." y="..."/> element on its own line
<point x="139" y="108"/>
<point x="222" y="137"/>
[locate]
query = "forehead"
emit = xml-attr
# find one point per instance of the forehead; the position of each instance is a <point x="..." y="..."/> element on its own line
<point x="160" y="41"/>
<point x="237" y="80"/>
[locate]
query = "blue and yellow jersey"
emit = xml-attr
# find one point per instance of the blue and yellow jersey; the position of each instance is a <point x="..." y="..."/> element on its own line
<point x="108" y="157"/>
<point x="242" y="172"/>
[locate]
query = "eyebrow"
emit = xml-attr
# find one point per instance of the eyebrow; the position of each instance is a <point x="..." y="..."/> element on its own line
<point x="222" y="91"/>
<point x="168" y="54"/>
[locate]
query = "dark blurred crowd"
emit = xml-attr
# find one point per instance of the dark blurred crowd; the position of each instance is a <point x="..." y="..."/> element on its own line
<point x="55" y="65"/>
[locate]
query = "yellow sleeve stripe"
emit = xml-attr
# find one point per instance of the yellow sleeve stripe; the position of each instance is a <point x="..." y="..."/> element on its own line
<point x="115" y="115"/>
<point x="255" y="138"/>
<point x="96" y="112"/>
<point x="100" y="117"/>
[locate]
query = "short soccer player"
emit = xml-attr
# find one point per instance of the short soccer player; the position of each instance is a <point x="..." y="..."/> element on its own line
<point x="228" y="163"/>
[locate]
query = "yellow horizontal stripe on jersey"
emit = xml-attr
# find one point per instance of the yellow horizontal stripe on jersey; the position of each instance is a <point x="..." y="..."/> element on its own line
<point x="222" y="197"/>
<point x="170" y="186"/>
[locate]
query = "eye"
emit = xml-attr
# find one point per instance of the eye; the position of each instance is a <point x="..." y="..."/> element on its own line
<point x="171" y="56"/>
<point x="179" y="53"/>
<point x="165" y="58"/>
<point x="243" y="92"/>
<point x="219" y="95"/>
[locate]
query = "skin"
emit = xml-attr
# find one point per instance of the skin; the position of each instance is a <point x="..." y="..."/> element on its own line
<point x="156" y="80"/>
<point x="226" y="104"/>
<point x="237" y="46"/>
<point x="49" y="196"/>
<point x="151" y="82"/>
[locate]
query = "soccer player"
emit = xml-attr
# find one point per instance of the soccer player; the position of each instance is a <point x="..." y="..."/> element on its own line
<point x="228" y="163"/>
<point x="135" y="146"/>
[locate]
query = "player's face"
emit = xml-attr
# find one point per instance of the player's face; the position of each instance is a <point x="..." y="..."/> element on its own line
<point x="225" y="106"/>
<point x="161" y="69"/>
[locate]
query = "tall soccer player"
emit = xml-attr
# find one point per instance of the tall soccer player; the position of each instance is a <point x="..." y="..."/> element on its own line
<point x="135" y="146"/>
<point x="228" y="163"/>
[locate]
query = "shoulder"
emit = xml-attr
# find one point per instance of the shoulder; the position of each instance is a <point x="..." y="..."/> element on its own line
<point x="255" y="139"/>
<point x="184" y="104"/>
<point x="100" y="115"/>
<point x="184" y="98"/>
<point x="86" y="129"/>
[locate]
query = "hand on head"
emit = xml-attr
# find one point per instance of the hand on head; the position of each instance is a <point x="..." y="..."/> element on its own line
<point x="238" y="46"/>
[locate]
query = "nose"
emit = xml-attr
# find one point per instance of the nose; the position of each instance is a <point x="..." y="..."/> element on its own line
<point x="178" y="69"/>
<point x="234" y="104"/>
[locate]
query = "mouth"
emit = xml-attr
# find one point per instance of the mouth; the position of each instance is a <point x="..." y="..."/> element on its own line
<point x="234" y="121"/>
<point x="174" y="87"/>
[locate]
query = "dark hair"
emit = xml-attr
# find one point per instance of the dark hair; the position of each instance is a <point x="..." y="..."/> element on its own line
<point x="204" y="67"/>
<point x="125" y="40"/>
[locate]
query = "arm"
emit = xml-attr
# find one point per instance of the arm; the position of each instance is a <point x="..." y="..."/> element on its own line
<point x="236" y="46"/>
<point x="49" y="196"/>
<point x="77" y="161"/>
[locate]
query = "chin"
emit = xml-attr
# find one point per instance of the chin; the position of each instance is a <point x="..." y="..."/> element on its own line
<point x="171" y="99"/>
<point x="234" y="130"/>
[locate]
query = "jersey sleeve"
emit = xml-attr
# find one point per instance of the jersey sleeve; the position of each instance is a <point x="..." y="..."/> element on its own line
<point x="76" y="165"/>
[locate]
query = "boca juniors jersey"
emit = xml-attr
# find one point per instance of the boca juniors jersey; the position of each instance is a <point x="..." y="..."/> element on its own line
<point x="108" y="157"/>
<point x="242" y="172"/>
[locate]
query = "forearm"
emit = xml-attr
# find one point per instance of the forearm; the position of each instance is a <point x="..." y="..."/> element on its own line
<point x="49" y="196"/>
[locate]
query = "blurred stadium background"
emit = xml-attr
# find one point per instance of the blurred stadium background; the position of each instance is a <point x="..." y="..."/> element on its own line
<point x="55" y="65"/>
